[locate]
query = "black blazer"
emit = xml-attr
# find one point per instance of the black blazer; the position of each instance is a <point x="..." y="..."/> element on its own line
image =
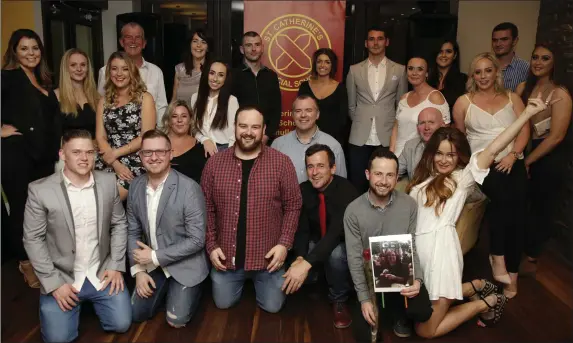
<point x="22" y="108"/>
<point x="337" y="196"/>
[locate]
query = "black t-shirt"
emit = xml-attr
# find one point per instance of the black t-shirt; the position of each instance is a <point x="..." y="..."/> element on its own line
<point x="246" y="166"/>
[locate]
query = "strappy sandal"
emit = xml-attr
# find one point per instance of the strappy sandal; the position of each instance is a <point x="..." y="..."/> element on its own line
<point x="487" y="289"/>
<point x="497" y="310"/>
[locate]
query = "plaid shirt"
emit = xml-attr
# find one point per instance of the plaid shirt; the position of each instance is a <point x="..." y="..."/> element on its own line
<point x="273" y="205"/>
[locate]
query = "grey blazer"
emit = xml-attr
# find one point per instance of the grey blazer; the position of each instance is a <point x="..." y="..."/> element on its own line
<point x="180" y="226"/>
<point x="49" y="231"/>
<point x="363" y="107"/>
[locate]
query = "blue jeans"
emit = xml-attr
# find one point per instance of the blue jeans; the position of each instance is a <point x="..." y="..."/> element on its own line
<point x="113" y="311"/>
<point x="336" y="272"/>
<point x="221" y="147"/>
<point x="228" y="287"/>
<point x="181" y="301"/>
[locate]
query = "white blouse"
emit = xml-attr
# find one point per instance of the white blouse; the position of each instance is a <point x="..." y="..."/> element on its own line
<point x="407" y="118"/>
<point x="219" y="136"/>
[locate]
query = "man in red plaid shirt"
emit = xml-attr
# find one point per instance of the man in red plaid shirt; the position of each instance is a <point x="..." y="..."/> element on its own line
<point x="253" y="203"/>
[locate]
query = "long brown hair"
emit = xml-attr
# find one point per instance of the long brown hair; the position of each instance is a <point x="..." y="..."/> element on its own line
<point x="136" y="84"/>
<point x="10" y="59"/>
<point x="440" y="189"/>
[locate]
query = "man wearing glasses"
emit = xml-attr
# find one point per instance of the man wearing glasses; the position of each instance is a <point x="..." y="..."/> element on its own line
<point x="166" y="236"/>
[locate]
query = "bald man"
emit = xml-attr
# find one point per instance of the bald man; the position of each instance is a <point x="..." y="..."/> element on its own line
<point x="429" y="120"/>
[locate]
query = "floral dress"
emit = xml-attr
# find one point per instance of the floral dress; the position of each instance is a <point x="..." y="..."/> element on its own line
<point x="122" y="124"/>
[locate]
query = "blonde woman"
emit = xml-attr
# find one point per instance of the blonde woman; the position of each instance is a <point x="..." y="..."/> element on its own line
<point x="123" y="115"/>
<point x="77" y="94"/>
<point x="483" y="113"/>
<point x="188" y="155"/>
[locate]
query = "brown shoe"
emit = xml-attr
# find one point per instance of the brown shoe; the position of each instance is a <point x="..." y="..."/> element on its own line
<point x="341" y="316"/>
<point x="30" y="277"/>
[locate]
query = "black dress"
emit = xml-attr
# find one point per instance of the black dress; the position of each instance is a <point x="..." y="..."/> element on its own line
<point x="333" y="111"/>
<point x="31" y="155"/>
<point x="191" y="162"/>
<point x="85" y="120"/>
<point x="454" y="87"/>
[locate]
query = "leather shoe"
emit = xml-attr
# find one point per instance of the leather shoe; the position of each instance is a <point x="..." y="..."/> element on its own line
<point x="341" y="315"/>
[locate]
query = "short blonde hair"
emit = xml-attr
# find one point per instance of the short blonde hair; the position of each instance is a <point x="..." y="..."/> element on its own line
<point x="471" y="85"/>
<point x="166" y="119"/>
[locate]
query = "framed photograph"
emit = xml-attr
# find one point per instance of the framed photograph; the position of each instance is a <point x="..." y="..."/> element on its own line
<point x="392" y="262"/>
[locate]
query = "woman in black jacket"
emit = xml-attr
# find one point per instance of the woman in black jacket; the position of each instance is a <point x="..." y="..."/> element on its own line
<point x="445" y="73"/>
<point x="30" y="131"/>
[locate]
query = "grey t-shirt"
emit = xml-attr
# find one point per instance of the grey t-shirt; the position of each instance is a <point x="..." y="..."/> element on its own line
<point x="363" y="220"/>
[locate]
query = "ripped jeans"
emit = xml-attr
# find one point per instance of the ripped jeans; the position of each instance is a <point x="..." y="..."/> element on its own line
<point x="180" y="301"/>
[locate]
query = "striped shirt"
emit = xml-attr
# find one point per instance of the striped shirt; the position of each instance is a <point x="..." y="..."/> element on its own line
<point x="515" y="73"/>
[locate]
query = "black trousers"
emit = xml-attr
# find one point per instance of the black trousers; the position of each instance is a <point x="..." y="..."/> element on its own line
<point x="18" y="170"/>
<point x="547" y="192"/>
<point x="358" y="157"/>
<point x="419" y="310"/>
<point x="506" y="212"/>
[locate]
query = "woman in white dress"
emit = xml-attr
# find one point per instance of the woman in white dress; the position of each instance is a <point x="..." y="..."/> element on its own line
<point x="423" y="95"/>
<point x="215" y="109"/>
<point x="440" y="186"/>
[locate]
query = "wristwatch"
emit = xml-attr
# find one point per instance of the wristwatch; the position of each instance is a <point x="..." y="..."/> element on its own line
<point x="517" y="156"/>
<point x="421" y="281"/>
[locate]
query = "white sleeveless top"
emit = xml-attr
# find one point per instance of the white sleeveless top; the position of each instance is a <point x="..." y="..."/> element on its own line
<point x="482" y="127"/>
<point x="407" y="118"/>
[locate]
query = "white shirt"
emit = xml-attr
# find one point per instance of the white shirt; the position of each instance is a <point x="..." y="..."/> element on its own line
<point x="224" y="136"/>
<point x="376" y="79"/>
<point x="84" y="211"/>
<point x="153" y="196"/>
<point x="152" y="76"/>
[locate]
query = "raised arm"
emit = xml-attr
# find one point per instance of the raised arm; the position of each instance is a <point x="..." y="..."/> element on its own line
<point x="535" y="105"/>
<point x="560" y="120"/>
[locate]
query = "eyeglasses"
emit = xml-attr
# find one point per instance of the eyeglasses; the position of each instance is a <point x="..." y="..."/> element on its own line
<point x="158" y="153"/>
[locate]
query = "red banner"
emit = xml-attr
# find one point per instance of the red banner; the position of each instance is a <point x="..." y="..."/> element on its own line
<point x="292" y="31"/>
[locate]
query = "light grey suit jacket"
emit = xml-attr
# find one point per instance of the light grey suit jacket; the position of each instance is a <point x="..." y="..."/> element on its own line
<point x="180" y="226"/>
<point x="49" y="231"/>
<point x="363" y="107"/>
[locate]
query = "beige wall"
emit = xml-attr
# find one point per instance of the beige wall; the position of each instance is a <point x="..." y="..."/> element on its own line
<point x="20" y="15"/>
<point x="108" y="19"/>
<point x="476" y="19"/>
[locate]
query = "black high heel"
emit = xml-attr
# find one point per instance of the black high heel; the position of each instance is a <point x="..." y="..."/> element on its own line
<point x="497" y="310"/>
<point x="487" y="289"/>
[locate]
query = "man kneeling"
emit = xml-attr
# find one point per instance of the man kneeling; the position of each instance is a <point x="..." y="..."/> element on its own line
<point x="75" y="234"/>
<point x="166" y="209"/>
<point x="320" y="236"/>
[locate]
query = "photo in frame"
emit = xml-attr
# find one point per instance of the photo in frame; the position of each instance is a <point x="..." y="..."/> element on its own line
<point x="392" y="262"/>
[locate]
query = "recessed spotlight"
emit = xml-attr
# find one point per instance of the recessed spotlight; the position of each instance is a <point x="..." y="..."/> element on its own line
<point x="401" y="13"/>
<point x="413" y="8"/>
<point x="392" y="19"/>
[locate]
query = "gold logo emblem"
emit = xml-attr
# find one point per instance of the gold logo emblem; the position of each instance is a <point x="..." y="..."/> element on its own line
<point x="290" y="41"/>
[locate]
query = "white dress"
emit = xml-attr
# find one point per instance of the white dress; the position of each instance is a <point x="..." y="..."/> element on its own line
<point x="407" y="118"/>
<point x="437" y="241"/>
